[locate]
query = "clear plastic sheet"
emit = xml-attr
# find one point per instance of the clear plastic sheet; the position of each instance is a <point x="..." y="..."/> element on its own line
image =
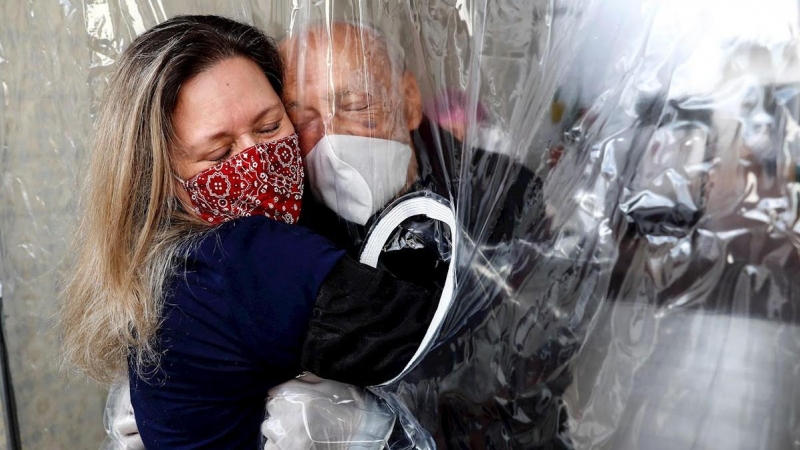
<point x="312" y="413"/>
<point x="644" y="295"/>
<point x="642" y="291"/>
<point x="119" y="420"/>
<point x="44" y="127"/>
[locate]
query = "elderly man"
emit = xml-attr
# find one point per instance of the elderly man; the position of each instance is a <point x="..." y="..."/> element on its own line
<point x="366" y="142"/>
<point x="359" y="115"/>
<point x="362" y="130"/>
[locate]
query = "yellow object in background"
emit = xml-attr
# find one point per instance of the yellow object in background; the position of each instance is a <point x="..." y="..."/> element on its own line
<point x="557" y="109"/>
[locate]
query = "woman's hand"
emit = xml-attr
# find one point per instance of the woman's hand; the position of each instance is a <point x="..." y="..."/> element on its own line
<point x="120" y="421"/>
<point x="308" y="411"/>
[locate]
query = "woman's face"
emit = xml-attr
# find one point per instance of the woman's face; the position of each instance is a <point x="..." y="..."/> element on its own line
<point x="222" y="111"/>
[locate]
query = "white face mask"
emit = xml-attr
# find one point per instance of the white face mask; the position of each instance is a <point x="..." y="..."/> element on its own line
<point x="356" y="176"/>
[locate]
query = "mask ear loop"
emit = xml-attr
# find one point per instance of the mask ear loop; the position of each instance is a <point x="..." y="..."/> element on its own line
<point x="436" y="209"/>
<point x="179" y="179"/>
<point x="188" y="208"/>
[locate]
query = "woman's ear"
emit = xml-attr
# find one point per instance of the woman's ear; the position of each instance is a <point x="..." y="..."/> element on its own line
<point x="413" y="100"/>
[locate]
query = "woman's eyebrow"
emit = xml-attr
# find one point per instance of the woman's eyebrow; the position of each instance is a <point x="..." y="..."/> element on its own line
<point x="214" y="136"/>
<point x="267" y="111"/>
<point x="209" y="138"/>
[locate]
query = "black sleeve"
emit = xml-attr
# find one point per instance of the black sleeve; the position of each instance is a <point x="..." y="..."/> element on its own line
<point x="366" y="325"/>
<point x="506" y="198"/>
<point x="522" y="202"/>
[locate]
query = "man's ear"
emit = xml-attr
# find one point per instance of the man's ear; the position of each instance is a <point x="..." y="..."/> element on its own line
<point x="413" y="100"/>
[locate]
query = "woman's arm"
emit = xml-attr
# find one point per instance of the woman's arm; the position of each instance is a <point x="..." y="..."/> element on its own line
<point x="300" y="301"/>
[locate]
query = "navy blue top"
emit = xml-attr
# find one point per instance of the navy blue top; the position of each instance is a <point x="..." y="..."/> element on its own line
<point x="234" y="322"/>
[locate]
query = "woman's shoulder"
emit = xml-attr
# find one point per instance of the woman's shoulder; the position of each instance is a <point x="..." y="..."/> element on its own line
<point x="257" y="243"/>
<point x="258" y="231"/>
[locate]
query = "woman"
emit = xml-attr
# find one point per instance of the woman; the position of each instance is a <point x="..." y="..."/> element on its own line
<point x="188" y="270"/>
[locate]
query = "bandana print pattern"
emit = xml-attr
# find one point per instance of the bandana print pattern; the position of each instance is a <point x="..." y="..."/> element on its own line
<point x="266" y="179"/>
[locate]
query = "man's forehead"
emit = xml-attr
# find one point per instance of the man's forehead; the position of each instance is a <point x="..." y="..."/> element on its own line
<point x="350" y="70"/>
<point x="338" y="35"/>
<point x="340" y="45"/>
<point x="329" y="86"/>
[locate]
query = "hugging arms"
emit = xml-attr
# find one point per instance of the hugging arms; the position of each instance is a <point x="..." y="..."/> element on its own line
<point x="190" y="272"/>
<point x="362" y="149"/>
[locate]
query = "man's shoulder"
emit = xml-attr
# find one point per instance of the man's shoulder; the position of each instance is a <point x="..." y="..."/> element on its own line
<point x="443" y="155"/>
<point x="323" y="221"/>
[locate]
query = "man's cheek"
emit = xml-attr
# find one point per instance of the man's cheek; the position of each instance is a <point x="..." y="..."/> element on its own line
<point x="386" y="124"/>
<point x="399" y="127"/>
<point x="308" y="137"/>
<point x="355" y="125"/>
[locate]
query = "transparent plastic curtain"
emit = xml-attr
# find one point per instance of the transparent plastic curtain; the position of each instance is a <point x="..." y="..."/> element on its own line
<point x="641" y="291"/>
<point x="655" y="305"/>
<point x="44" y="124"/>
<point x="638" y="291"/>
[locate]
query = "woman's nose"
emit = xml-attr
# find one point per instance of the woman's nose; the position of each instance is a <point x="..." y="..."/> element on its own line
<point x="246" y="141"/>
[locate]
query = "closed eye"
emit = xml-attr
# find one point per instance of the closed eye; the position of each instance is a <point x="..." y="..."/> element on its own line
<point x="359" y="106"/>
<point x="355" y="101"/>
<point x="270" y="128"/>
<point x="217" y="157"/>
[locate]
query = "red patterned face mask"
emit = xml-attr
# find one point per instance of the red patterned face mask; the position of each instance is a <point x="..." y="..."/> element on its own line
<point x="266" y="179"/>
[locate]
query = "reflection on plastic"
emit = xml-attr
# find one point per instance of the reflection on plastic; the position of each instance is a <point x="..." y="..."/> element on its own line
<point x="119" y="420"/>
<point x="654" y="304"/>
<point x="312" y="413"/>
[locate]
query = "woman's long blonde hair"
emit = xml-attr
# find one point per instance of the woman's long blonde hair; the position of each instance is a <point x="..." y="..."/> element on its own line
<point x="133" y="226"/>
